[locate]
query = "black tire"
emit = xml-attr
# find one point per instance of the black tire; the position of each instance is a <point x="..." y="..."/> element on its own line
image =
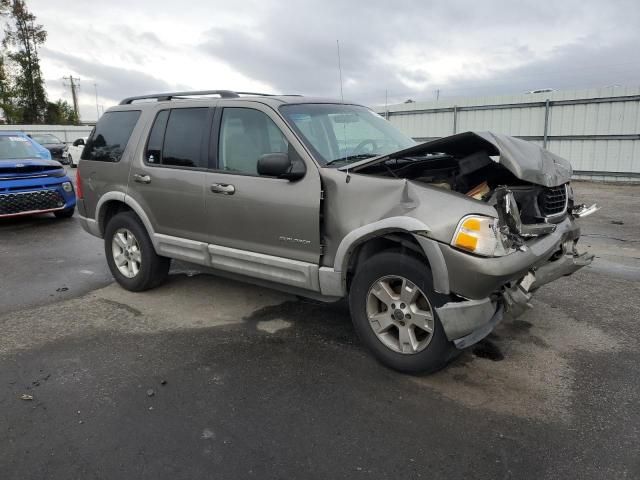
<point x="153" y="268"/>
<point x="439" y="350"/>
<point x="71" y="162"/>
<point x="66" y="213"/>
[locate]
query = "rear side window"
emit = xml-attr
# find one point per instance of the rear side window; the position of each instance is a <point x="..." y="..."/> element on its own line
<point x="110" y="136"/>
<point x="176" y="138"/>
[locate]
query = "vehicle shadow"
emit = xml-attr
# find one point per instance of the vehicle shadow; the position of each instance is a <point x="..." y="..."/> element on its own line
<point x="27" y="221"/>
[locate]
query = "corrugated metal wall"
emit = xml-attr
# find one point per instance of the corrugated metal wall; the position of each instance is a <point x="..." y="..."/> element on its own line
<point x="66" y="133"/>
<point x="598" y="130"/>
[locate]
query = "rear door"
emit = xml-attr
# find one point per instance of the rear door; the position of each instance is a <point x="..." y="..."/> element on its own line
<point x="253" y="213"/>
<point x="167" y="177"/>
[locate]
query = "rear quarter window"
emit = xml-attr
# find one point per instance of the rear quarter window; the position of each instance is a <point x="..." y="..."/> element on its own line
<point x="110" y="136"/>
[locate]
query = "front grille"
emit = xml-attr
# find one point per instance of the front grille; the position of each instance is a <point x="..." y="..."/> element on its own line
<point x="553" y="200"/>
<point x="12" y="203"/>
<point x="56" y="153"/>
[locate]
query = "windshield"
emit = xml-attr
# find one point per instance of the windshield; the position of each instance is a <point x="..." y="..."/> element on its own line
<point x="46" y="138"/>
<point x="341" y="134"/>
<point x="15" y="147"/>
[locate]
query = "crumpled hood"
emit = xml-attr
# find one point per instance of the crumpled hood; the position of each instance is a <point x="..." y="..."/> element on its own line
<point x="526" y="160"/>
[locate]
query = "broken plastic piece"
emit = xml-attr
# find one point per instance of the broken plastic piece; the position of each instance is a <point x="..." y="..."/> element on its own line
<point x="582" y="210"/>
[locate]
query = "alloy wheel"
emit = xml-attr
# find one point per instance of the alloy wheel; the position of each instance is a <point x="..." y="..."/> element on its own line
<point x="400" y="314"/>
<point x="126" y="252"/>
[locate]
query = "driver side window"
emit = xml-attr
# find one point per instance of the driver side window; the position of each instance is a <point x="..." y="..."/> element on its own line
<point x="246" y="135"/>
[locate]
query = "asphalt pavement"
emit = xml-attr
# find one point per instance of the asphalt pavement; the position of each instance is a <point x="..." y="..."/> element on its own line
<point x="210" y="378"/>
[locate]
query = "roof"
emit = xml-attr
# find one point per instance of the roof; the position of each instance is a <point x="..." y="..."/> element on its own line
<point x="215" y="95"/>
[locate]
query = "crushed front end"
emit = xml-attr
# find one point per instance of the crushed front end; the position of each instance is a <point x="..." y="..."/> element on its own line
<point x="534" y="254"/>
<point x="494" y="260"/>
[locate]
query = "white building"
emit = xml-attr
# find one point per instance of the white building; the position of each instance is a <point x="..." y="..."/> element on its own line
<point x="597" y="130"/>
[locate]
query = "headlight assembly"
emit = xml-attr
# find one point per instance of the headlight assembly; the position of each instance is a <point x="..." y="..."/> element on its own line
<point x="480" y="235"/>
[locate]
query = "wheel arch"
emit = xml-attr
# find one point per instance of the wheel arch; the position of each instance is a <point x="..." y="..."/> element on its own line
<point x="404" y="232"/>
<point x="112" y="203"/>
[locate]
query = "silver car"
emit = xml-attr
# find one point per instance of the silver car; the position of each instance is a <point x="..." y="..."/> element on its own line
<point x="430" y="243"/>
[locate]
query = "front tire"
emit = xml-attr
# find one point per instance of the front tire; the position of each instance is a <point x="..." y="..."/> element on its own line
<point x="392" y="303"/>
<point x="130" y="254"/>
<point x="70" y="158"/>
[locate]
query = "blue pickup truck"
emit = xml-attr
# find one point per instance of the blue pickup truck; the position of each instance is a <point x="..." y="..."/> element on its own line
<point x="30" y="181"/>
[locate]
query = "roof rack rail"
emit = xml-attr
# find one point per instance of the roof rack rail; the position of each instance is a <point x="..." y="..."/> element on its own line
<point x="160" y="97"/>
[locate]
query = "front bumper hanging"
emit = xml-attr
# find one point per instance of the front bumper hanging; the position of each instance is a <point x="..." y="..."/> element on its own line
<point x="469" y="321"/>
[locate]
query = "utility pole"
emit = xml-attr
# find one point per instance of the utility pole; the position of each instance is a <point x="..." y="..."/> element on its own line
<point x="74" y="92"/>
<point x="95" y="86"/>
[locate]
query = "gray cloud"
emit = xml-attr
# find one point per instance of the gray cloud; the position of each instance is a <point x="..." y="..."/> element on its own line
<point x="115" y="83"/>
<point x="294" y="49"/>
<point x="502" y="46"/>
<point x="574" y="66"/>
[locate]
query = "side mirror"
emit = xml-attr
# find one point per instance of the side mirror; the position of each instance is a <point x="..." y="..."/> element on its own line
<point x="279" y="165"/>
<point x="78" y="142"/>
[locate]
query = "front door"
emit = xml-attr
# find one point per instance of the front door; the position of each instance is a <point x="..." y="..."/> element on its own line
<point x="256" y="214"/>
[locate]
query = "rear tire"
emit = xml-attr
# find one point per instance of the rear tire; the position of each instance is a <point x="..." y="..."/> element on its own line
<point x="130" y="254"/>
<point x="392" y="303"/>
<point x="73" y="165"/>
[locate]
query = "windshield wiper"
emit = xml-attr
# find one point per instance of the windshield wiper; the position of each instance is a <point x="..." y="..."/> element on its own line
<point x="360" y="156"/>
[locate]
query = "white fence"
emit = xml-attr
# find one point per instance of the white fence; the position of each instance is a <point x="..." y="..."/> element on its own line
<point x="66" y="133"/>
<point x="597" y="130"/>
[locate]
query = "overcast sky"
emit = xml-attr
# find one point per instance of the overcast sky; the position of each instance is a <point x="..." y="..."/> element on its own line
<point x="408" y="48"/>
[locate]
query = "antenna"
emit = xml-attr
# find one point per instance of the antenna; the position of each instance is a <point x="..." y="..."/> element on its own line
<point x="95" y="86"/>
<point x="340" y="70"/>
<point x="386" y="104"/>
<point x="344" y="126"/>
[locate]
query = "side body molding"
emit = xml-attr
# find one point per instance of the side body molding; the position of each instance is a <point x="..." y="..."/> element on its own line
<point x="331" y="282"/>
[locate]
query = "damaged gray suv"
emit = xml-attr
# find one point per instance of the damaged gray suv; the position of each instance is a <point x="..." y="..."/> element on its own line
<point x="430" y="243"/>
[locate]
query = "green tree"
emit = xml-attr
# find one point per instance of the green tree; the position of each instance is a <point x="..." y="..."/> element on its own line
<point x="6" y="91"/>
<point x="22" y="38"/>
<point x="60" y="113"/>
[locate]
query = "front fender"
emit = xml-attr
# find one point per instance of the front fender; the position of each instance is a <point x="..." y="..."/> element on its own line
<point x="333" y="280"/>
